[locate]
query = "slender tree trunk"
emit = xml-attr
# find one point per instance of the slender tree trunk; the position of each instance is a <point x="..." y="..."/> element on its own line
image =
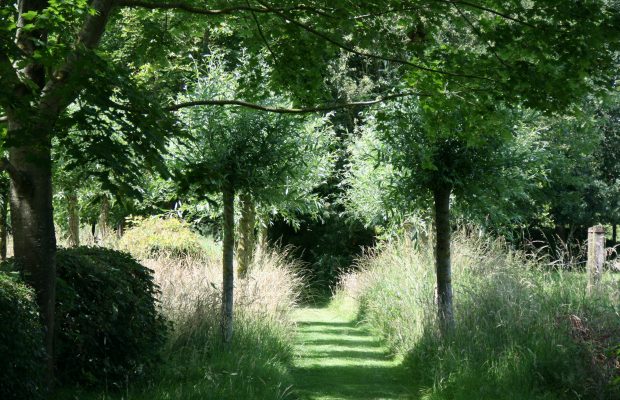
<point x="4" y="212"/>
<point x="73" y="209"/>
<point x="614" y="233"/>
<point x="263" y="232"/>
<point x="228" y="259"/>
<point x="442" y="260"/>
<point x="34" y="239"/>
<point x="247" y="241"/>
<point x="104" y="218"/>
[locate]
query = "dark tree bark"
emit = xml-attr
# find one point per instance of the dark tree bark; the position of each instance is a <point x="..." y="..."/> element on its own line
<point x="228" y="259"/>
<point x="37" y="97"/>
<point x="247" y="240"/>
<point x="614" y="233"/>
<point x="73" y="211"/>
<point x="560" y="231"/>
<point x="442" y="260"/>
<point x="34" y="238"/>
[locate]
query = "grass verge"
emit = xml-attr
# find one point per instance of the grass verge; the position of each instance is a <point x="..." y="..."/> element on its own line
<point x="523" y="332"/>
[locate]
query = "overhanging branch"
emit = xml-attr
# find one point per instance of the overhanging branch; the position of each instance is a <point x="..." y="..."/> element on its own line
<point x="289" y="19"/>
<point x="182" y="6"/>
<point x="284" y="110"/>
<point x="490" y="11"/>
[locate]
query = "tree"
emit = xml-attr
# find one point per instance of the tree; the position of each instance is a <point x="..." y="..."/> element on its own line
<point x="270" y="160"/>
<point x="427" y="152"/>
<point x="49" y="58"/>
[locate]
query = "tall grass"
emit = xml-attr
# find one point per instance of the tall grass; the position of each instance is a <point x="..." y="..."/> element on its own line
<point x="195" y="363"/>
<point x="523" y="332"/>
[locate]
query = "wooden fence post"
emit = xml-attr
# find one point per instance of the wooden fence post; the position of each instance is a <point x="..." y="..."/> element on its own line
<point x="596" y="256"/>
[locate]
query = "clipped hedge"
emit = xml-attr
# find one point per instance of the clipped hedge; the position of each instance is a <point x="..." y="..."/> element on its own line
<point x="22" y="356"/>
<point x="108" y="327"/>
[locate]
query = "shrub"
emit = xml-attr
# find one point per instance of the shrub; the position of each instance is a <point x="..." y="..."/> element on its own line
<point x="163" y="237"/>
<point x="21" y="342"/>
<point x="107" y="322"/>
<point x="197" y="365"/>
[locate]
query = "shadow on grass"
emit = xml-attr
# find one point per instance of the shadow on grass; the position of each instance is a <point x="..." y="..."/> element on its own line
<point x="352" y="354"/>
<point x="371" y="342"/>
<point x="352" y="382"/>
<point x="315" y="324"/>
<point x="341" y="360"/>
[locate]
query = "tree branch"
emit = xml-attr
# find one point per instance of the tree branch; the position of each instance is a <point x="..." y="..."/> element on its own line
<point x="489" y="10"/>
<point x="478" y="33"/>
<point x="9" y="80"/>
<point x="284" y="110"/>
<point x="57" y="94"/>
<point x="14" y="174"/>
<point x="182" y="6"/>
<point x="366" y="54"/>
<point x="262" y="35"/>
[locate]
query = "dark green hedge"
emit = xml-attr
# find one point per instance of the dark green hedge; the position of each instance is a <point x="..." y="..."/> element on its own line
<point x="21" y="342"/>
<point x="107" y="322"/>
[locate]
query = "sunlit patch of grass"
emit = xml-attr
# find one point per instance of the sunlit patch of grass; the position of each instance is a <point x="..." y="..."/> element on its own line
<point x="339" y="359"/>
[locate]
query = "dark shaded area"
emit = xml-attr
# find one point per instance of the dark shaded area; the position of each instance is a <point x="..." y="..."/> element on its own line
<point x="327" y="324"/>
<point x="328" y="247"/>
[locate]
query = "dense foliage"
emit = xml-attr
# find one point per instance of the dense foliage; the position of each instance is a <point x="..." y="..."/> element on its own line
<point x="21" y="342"/>
<point x="109" y="327"/>
<point x="339" y="120"/>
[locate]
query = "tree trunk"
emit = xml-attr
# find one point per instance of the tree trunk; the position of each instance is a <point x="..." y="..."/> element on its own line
<point x="4" y="212"/>
<point x="442" y="260"/>
<point x="614" y="233"/>
<point x="73" y="209"/>
<point x="34" y="239"/>
<point x="263" y="232"/>
<point x="247" y="241"/>
<point x="104" y="217"/>
<point x="228" y="268"/>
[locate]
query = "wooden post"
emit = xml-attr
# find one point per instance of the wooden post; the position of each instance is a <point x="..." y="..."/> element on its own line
<point x="596" y="256"/>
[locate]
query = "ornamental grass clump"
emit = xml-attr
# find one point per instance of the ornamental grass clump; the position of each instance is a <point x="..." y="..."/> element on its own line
<point x="523" y="331"/>
<point x="198" y="365"/>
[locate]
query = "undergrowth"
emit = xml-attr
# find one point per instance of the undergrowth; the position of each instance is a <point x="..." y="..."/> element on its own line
<point x="196" y="365"/>
<point x="523" y="331"/>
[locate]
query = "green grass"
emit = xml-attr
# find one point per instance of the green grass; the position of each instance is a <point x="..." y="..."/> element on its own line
<point x="336" y="358"/>
<point x="522" y="332"/>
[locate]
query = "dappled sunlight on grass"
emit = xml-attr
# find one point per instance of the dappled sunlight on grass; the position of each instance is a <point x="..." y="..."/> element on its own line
<point x="338" y="359"/>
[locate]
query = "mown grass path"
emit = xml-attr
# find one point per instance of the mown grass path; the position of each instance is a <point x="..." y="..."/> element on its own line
<point x="338" y="360"/>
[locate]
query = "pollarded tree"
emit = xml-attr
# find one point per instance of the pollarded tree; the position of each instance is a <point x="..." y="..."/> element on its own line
<point x="423" y="154"/>
<point x="271" y="160"/>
